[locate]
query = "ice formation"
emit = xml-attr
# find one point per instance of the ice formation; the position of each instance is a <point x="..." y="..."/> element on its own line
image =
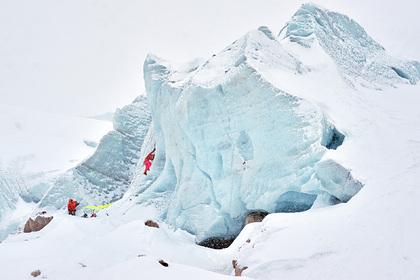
<point x="231" y="139"/>
<point x="360" y="58"/>
<point x="232" y="133"/>
<point x="106" y="175"/>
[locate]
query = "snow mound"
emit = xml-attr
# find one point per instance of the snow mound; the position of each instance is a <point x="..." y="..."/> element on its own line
<point x="106" y="175"/>
<point x="360" y="58"/>
<point x="231" y="142"/>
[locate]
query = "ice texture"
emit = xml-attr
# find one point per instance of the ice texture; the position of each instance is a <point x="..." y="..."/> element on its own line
<point x="229" y="142"/>
<point x="105" y="176"/>
<point x="360" y="58"/>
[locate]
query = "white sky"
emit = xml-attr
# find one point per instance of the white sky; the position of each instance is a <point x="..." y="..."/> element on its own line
<point x="84" y="57"/>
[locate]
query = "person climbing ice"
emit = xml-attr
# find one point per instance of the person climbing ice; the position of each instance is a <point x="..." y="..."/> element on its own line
<point x="71" y="206"/>
<point x="148" y="161"/>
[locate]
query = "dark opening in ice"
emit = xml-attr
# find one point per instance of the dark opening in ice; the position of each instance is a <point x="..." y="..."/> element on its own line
<point x="334" y="139"/>
<point x="400" y="73"/>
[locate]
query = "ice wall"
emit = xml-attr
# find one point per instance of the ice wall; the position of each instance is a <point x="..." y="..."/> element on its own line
<point x="231" y="142"/>
<point x="106" y="175"/>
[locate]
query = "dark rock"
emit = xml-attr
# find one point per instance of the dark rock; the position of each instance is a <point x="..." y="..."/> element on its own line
<point x="36" y="225"/>
<point x="217" y="242"/>
<point x="162" y="262"/>
<point x="255" y="216"/>
<point x="36" y="273"/>
<point x="151" y="223"/>
<point x="238" y="269"/>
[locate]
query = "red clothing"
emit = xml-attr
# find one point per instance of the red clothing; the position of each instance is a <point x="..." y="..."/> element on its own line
<point x="148" y="164"/>
<point x="71" y="206"/>
<point x="148" y="161"/>
<point x="150" y="156"/>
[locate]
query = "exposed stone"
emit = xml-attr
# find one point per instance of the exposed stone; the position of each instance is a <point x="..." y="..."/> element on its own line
<point x="238" y="269"/>
<point x="162" y="262"/>
<point x="255" y="216"/>
<point x="151" y="223"/>
<point x="36" y="273"/>
<point x="36" y="225"/>
<point x="217" y="242"/>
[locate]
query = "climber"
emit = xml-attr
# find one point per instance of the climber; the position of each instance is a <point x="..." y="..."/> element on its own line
<point x="71" y="206"/>
<point x="148" y="161"/>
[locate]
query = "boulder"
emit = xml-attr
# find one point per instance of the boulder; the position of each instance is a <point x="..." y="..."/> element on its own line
<point x="163" y="263"/>
<point x="238" y="269"/>
<point x="151" y="223"/>
<point x="36" y="225"/>
<point x="255" y="216"/>
<point x="217" y="242"/>
<point x="36" y="273"/>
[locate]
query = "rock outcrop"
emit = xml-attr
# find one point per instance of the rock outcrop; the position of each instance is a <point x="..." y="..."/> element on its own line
<point x="36" y="225"/>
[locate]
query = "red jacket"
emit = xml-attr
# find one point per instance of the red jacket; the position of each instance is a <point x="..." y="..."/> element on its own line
<point x="150" y="156"/>
<point x="71" y="206"/>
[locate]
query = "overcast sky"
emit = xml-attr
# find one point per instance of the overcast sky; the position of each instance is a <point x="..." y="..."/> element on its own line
<point x="84" y="57"/>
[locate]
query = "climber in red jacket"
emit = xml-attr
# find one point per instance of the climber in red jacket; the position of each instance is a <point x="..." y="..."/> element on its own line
<point x="148" y="161"/>
<point x="71" y="206"/>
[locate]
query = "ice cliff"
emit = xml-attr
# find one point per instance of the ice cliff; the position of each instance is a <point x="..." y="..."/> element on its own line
<point x="361" y="59"/>
<point x="232" y="139"/>
<point x="105" y="176"/>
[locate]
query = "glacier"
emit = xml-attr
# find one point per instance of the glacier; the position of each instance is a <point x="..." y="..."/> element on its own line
<point x="233" y="136"/>
<point x="105" y="176"/>
<point x="238" y="132"/>
<point x="233" y="143"/>
<point x="271" y="125"/>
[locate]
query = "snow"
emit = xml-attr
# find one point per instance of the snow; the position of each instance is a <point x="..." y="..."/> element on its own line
<point x="46" y="132"/>
<point x="104" y="177"/>
<point x="113" y="246"/>
<point x="248" y="129"/>
<point x="27" y="165"/>
<point x="361" y="59"/>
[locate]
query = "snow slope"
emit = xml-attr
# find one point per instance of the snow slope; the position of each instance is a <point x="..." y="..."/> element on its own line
<point x="27" y="165"/>
<point x="118" y="246"/>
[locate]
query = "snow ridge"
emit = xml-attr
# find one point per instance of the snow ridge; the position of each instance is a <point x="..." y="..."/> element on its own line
<point x="360" y="58"/>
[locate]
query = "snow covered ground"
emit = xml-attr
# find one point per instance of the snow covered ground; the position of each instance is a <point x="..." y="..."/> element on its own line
<point x="118" y="246"/>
